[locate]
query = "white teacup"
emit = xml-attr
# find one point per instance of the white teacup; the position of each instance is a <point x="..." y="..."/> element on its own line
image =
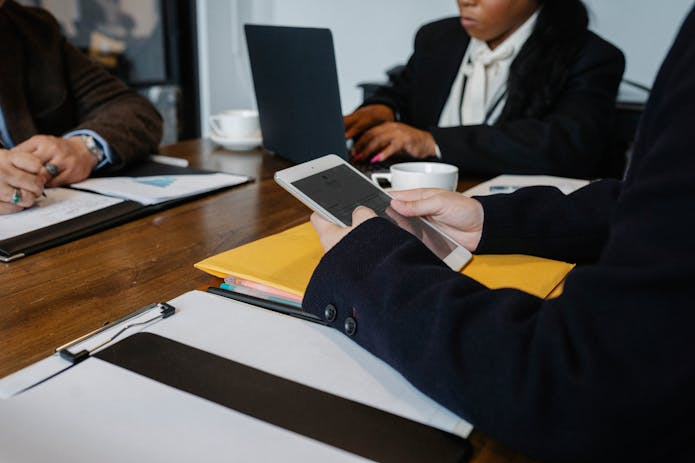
<point x="236" y="124"/>
<point x="409" y="175"/>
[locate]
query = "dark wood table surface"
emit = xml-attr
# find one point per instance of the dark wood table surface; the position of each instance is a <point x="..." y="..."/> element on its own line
<point x="57" y="295"/>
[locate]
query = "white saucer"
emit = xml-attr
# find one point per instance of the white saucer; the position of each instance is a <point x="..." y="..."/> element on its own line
<point x="237" y="144"/>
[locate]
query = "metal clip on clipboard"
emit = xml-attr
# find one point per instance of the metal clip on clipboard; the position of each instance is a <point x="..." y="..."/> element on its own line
<point x="165" y="311"/>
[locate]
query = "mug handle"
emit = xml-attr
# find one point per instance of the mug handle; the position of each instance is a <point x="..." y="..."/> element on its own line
<point x="381" y="175"/>
<point x="214" y="125"/>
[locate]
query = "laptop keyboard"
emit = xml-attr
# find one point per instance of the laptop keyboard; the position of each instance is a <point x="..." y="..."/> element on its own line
<point x="368" y="169"/>
<point x="383" y="166"/>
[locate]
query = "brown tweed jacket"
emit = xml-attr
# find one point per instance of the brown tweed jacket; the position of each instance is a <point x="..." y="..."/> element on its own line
<point x="47" y="86"/>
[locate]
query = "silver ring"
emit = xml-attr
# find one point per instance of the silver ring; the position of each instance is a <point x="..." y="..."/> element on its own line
<point x="16" y="196"/>
<point x="52" y="169"/>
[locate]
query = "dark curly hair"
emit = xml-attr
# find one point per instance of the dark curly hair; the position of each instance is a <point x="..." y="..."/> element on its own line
<point x="541" y="68"/>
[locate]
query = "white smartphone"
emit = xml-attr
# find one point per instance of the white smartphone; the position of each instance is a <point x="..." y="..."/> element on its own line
<point x="334" y="188"/>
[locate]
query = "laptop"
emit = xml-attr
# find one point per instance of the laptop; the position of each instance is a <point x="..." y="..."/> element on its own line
<point x="296" y="84"/>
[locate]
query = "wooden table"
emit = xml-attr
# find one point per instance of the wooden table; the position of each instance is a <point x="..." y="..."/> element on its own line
<point x="52" y="297"/>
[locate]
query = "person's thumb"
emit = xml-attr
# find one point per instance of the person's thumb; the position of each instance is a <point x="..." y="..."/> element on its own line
<point x="361" y="214"/>
<point x="418" y="207"/>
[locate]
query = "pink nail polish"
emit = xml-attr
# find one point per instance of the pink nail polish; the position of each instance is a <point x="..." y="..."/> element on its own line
<point x="376" y="159"/>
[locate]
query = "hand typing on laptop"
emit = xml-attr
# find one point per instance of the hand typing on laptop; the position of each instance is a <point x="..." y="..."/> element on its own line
<point x="378" y="136"/>
<point x="366" y="117"/>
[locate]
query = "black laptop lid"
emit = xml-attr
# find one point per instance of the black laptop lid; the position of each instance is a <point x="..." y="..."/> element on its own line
<point x="296" y="84"/>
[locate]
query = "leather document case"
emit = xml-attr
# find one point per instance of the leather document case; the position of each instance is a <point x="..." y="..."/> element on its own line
<point x="62" y="231"/>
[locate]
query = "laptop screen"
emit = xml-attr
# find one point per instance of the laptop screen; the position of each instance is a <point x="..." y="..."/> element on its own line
<point x="297" y="93"/>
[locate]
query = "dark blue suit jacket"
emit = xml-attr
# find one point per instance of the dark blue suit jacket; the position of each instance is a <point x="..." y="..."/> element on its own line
<point x="569" y="138"/>
<point x="606" y="372"/>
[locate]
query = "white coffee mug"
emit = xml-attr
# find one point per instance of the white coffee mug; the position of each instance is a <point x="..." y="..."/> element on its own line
<point x="235" y="124"/>
<point x="409" y="175"/>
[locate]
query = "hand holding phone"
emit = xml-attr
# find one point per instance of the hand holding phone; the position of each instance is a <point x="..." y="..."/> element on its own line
<point x="333" y="188"/>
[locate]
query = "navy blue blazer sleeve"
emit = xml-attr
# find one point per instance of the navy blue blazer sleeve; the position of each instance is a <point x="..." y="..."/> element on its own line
<point x="605" y="372"/>
<point x="570" y="139"/>
<point x="542" y="221"/>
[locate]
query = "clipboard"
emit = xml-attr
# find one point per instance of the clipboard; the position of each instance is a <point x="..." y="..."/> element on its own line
<point x="87" y="224"/>
<point x="141" y="385"/>
<point x="78" y="350"/>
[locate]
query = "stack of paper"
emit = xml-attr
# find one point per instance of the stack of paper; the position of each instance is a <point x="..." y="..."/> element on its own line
<point x="288" y="259"/>
<point x="253" y="288"/>
<point x="160" y="188"/>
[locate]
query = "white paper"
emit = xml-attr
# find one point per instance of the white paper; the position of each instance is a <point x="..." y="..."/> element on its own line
<point x="159" y="188"/>
<point x="97" y="412"/>
<point x="511" y="183"/>
<point x="31" y="375"/>
<point x="61" y="204"/>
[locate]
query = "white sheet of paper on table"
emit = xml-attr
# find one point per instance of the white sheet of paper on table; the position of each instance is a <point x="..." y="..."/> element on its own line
<point x="59" y="205"/>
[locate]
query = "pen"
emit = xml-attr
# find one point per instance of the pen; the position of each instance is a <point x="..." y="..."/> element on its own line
<point x="504" y="188"/>
<point x="266" y="304"/>
<point x="179" y="162"/>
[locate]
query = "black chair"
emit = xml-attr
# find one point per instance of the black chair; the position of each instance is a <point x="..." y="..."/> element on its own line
<point x="369" y="88"/>
<point x="629" y="106"/>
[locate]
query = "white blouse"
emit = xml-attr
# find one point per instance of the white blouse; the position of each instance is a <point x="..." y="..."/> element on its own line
<point x="484" y="74"/>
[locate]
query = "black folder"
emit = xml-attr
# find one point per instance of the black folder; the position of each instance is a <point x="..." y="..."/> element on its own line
<point x="102" y="219"/>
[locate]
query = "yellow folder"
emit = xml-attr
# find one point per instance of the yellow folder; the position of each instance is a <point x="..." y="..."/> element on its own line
<point x="287" y="260"/>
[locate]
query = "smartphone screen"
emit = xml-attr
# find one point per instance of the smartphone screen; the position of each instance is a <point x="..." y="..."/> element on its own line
<point x="339" y="190"/>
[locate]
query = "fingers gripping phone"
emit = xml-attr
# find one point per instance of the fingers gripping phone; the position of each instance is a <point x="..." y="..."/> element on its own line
<point x="334" y="188"/>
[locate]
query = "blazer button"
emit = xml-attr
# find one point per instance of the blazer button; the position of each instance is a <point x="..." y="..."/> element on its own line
<point x="350" y="326"/>
<point x="329" y="313"/>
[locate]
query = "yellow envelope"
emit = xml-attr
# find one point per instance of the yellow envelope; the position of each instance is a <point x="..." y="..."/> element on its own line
<point x="287" y="260"/>
<point x="534" y="275"/>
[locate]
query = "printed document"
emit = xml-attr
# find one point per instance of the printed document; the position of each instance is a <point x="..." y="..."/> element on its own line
<point x="160" y="188"/>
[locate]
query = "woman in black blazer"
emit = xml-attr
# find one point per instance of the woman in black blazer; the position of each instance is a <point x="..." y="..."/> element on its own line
<point x="556" y="115"/>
